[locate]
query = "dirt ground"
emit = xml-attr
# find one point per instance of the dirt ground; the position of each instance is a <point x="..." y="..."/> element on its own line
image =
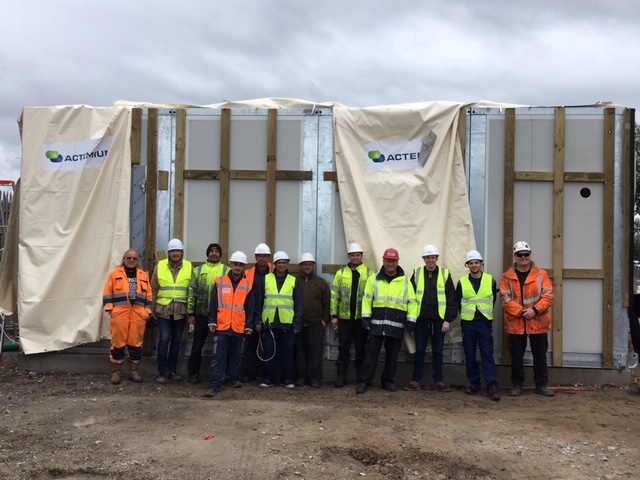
<point x="72" y="426"/>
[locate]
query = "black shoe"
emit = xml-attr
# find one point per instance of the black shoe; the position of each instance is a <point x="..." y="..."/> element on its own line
<point x="340" y="382"/>
<point x="194" y="379"/>
<point x="472" y="389"/>
<point x="161" y="378"/>
<point x="361" y="388"/>
<point x="173" y="375"/>
<point x="315" y="383"/>
<point x="493" y="393"/>
<point x="543" y="390"/>
<point x="211" y="392"/>
<point x="389" y="387"/>
<point x="234" y="383"/>
<point x="247" y="378"/>
<point x="300" y="382"/>
<point x="267" y="384"/>
<point x="516" y="391"/>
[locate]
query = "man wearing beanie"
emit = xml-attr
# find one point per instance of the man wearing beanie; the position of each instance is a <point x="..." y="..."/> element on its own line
<point x="202" y="281"/>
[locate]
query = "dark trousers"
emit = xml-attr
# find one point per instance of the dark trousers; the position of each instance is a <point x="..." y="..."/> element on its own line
<point x="428" y="330"/>
<point x="372" y="352"/>
<point x="309" y="345"/>
<point x="226" y="359"/>
<point x="169" y="343"/>
<point x="539" y="345"/>
<point x="200" y="332"/>
<point x="479" y="334"/>
<point x="282" y="342"/>
<point x="351" y="331"/>
<point x="252" y="366"/>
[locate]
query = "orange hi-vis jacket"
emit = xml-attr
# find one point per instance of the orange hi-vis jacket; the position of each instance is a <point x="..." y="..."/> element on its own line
<point x="231" y="314"/>
<point x="537" y="292"/>
<point x="251" y="273"/>
<point x="115" y="296"/>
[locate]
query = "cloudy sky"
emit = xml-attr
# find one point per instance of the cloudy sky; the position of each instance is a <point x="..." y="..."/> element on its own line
<point x="356" y="52"/>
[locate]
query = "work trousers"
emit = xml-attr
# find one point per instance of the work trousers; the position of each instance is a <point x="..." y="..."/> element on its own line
<point x="351" y="331"/>
<point x="169" y="343"/>
<point x="309" y="344"/>
<point x="539" y="345"/>
<point x="252" y="366"/>
<point x="372" y="353"/>
<point x="282" y="343"/>
<point x="200" y="333"/>
<point x="428" y="331"/>
<point x="127" y="331"/>
<point x="479" y="334"/>
<point x="226" y="359"/>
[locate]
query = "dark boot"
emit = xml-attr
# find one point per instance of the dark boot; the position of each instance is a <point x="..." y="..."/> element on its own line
<point x="134" y="373"/>
<point x="341" y="378"/>
<point x="116" y="368"/>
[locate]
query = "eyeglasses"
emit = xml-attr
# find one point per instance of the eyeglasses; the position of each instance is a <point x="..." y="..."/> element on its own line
<point x="523" y="255"/>
<point x="131" y="258"/>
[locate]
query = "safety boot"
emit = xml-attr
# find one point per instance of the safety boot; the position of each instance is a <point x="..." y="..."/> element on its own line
<point x="116" y="368"/>
<point x="134" y="372"/>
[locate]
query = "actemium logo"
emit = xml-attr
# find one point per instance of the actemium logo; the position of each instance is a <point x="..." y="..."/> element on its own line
<point x="54" y="156"/>
<point x="376" y="156"/>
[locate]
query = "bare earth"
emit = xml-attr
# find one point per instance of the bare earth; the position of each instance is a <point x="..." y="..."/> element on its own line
<point x="69" y="426"/>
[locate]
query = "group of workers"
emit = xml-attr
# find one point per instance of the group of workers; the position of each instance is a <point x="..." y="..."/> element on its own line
<point x="279" y="319"/>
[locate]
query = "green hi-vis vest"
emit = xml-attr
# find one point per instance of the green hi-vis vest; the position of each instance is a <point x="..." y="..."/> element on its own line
<point x="482" y="300"/>
<point x="443" y="274"/>
<point x="171" y="290"/>
<point x="202" y="281"/>
<point x="341" y="291"/>
<point x="280" y="301"/>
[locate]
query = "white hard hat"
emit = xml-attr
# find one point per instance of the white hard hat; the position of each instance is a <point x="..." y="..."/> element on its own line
<point x="307" y="257"/>
<point x="521" y="247"/>
<point x="355" y="248"/>
<point x="430" y="250"/>
<point x="239" y="257"/>
<point x="175" y="244"/>
<point x="473" y="255"/>
<point x="262" y="249"/>
<point x="280" y="255"/>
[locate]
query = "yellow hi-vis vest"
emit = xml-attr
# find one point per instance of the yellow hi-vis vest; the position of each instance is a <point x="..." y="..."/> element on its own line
<point x="443" y="274"/>
<point x="280" y="301"/>
<point x="170" y="289"/>
<point x="482" y="300"/>
<point x="341" y="291"/>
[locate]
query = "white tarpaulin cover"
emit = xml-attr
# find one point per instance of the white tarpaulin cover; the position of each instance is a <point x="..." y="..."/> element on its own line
<point x="74" y="203"/>
<point x="402" y="181"/>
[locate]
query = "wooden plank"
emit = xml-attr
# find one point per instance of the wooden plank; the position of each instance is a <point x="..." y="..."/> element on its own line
<point x="330" y="176"/>
<point x="558" y="234"/>
<point x="151" y="206"/>
<point x="507" y="226"/>
<point x="181" y="160"/>
<point x="135" y="142"/>
<point x="163" y="180"/>
<point x="225" y="184"/>
<point x="583" y="177"/>
<point x="272" y="164"/>
<point x="588" y="273"/>
<point x="627" y="202"/>
<point x="608" y="240"/>
<point x="295" y="175"/>
<point x="534" y="176"/>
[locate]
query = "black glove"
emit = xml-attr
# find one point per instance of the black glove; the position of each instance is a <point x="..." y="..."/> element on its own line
<point x="152" y="322"/>
<point x="258" y="327"/>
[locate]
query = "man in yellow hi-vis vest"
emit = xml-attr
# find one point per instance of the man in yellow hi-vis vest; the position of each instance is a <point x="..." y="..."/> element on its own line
<point x="437" y="308"/>
<point x="476" y="295"/>
<point x="170" y="284"/>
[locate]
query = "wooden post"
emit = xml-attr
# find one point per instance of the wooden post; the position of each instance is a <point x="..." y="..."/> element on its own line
<point x="558" y="234"/>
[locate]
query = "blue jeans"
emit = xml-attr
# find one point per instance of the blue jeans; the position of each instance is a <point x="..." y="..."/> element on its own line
<point x="226" y="360"/>
<point x="283" y="342"/>
<point x="428" y="330"/>
<point x="169" y="343"/>
<point x="479" y="334"/>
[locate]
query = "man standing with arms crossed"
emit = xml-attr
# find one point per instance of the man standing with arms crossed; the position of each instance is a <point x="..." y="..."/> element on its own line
<point x="476" y="294"/>
<point x="527" y="296"/>
<point x="388" y="307"/>
<point x="437" y="308"/>
<point x="347" y="291"/>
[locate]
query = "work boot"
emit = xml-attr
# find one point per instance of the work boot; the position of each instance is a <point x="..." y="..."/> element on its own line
<point x="362" y="387"/>
<point x="516" y="391"/>
<point x="412" y="386"/>
<point x="543" y="390"/>
<point x="441" y="387"/>
<point x="134" y="373"/>
<point x="341" y="381"/>
<point x="116" y="369"/>
<point x="472" y="389"/>
<point x="492" y="391"/>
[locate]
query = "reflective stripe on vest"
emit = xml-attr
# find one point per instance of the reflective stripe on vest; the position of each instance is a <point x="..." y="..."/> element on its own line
<point x="392" y="299"/>
<point x="342" y="292"/>
<point x="280" y="301"/>
<point x="231" y="311"/>
<point x="482" y="300"/>
<point x="170" y="289"/>
<point x="443" y="273"/>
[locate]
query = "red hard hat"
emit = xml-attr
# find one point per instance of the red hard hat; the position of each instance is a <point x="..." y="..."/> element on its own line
<point x="391" y="254"/>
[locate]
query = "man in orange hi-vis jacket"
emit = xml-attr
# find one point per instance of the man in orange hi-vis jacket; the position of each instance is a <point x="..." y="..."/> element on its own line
<point x="127" y="297"/>
<point x="527" y="296"/>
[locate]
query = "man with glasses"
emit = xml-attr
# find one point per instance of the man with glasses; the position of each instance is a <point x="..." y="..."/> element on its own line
<point x="127" y="298"/>
<point x="527" y="297"/>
